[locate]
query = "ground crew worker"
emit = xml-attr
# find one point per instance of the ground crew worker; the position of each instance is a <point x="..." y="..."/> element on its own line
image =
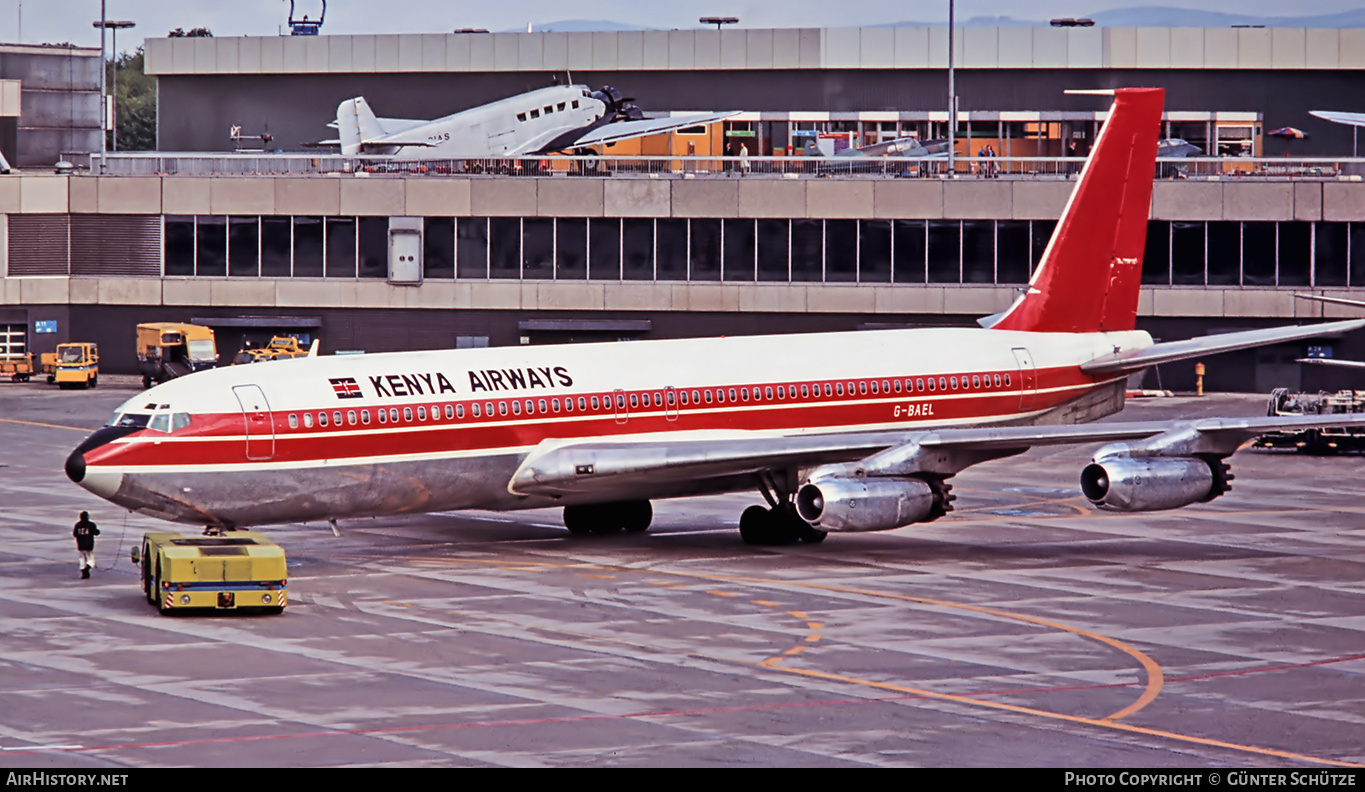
<point x="85" y="533"/>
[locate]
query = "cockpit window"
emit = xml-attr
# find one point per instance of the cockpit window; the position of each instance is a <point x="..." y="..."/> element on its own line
<point x="179" y="421"/>
<point x="133" y="420"/>
<point x="161" y="422"/>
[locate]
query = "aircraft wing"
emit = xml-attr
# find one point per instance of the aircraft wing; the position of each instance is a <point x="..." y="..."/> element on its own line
<point x="567" y="468"/>
<point x="622" y="130"/>
<point x="1354" y="119"/>
<point x="1122" y="362"/>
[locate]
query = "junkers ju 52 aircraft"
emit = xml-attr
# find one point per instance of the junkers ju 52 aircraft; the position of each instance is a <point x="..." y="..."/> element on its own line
<point x="558" y="118"/>
<point x="856" y="431"/>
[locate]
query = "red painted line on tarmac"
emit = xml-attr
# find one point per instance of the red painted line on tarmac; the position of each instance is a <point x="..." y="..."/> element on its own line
<point x="663" y="713"/>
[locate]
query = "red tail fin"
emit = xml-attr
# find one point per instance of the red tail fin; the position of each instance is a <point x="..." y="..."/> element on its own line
<point x="1091" y="272"/>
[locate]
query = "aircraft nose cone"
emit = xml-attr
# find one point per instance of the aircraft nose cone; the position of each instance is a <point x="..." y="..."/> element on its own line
<point x="75" y="466"/>
<point x="102" y="484"/>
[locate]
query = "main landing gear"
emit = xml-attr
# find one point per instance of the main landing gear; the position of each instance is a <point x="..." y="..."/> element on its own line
<point x="780" y="524"/>
<point x="608" y="518"/>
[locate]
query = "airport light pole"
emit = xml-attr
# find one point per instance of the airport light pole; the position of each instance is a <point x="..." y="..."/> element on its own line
<point x="952" y="99"/>
<point x="718" y="21"/>
<point x="115" y="26"/>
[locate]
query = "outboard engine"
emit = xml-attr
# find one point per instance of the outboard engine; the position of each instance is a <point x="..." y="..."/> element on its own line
<point x="1153" y="483"/>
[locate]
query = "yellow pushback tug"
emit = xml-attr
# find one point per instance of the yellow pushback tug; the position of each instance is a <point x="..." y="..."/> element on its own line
<point x="238" y="571"/>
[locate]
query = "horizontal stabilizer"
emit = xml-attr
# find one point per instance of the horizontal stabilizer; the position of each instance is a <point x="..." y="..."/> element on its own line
<point x="1124" y="362"/>
<point x="394" y="141"/>
<point x="1355" y="364"/>
<point x="1333" y="300"/>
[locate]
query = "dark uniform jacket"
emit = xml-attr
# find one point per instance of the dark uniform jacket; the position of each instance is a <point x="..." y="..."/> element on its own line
<point x="85" y="533"/>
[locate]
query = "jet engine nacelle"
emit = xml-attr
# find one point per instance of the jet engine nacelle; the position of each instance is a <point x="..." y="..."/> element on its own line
<point x="843" y="503"/>
<point x="1136" y="484"/>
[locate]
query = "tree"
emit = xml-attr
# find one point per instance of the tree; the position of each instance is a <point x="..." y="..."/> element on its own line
<point x="136" y="102"/>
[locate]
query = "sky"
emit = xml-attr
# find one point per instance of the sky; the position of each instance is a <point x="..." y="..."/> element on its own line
<point x="53" y="21"/>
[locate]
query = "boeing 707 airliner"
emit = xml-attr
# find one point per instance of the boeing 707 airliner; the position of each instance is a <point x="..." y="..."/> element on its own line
<point x="856" y="431"/>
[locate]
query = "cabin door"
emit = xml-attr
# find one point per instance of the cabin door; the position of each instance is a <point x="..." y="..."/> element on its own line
<point x="1028" y="378"/>
<point x="259" y="423"/>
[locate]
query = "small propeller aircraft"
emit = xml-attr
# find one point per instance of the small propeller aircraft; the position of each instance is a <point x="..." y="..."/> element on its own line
<point x="558" y="118"/>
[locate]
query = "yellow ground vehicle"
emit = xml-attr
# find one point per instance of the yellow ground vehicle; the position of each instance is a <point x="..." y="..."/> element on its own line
<point x="237" y="571"/>
<point x="24" y="366"/>
<point x="77" y="365"/>
<point x="19" y="368"/>
<point x="166" y="350"/>
<point x="279" y="348"/>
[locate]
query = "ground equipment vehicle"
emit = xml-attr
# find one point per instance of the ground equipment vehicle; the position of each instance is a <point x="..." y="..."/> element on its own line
<point x="76" y="365"/>
<point x="238" y="571"/>
<point x="19" y="368"/>
<point x="1316" y="441"/>
<point x="166" y="350"/>
<point x="279" y="348"/>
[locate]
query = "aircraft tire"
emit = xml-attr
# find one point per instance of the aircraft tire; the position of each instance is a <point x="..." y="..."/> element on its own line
<point x="760" y="526"/>
<point x="636" y="516"/>
<point x="156" y="587"/>
<point x="579" y="519"/>
<point x="786" y="520"/>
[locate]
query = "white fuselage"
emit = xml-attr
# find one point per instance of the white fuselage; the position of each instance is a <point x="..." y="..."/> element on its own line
<point x="516" y="125"/>
<point x="326" y="437"/>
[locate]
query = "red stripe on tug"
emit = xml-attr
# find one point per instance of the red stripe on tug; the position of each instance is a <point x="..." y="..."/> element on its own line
<point x="1091" y="272"/>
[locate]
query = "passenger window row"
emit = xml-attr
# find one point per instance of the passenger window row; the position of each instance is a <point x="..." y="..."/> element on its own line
<point x="646" y="399"/>
<point x="547" y="109"/>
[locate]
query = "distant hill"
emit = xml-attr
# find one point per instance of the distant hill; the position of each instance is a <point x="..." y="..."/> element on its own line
<point x="1160" y="16"/>
<point x="579" y="26"/>
<point x="1141" y="16"/>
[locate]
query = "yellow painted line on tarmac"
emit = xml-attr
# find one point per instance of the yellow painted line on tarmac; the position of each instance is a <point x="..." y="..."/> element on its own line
<point x="601" y="577"/>
<point x="766" y="603"/>
<point x="46" y="425"/>
<point x="1102" y="722"/>
<point x="724" y="593"/>
<point x="1155" y="677"/>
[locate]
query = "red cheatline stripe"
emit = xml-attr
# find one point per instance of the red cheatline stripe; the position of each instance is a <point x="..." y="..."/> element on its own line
<point x="436" y="436"/>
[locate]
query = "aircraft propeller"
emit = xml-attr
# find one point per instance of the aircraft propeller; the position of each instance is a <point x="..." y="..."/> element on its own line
<point x="618" y="104"/>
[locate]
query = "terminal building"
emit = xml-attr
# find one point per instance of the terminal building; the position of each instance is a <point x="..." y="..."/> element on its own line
<point x="389" y="261"/>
